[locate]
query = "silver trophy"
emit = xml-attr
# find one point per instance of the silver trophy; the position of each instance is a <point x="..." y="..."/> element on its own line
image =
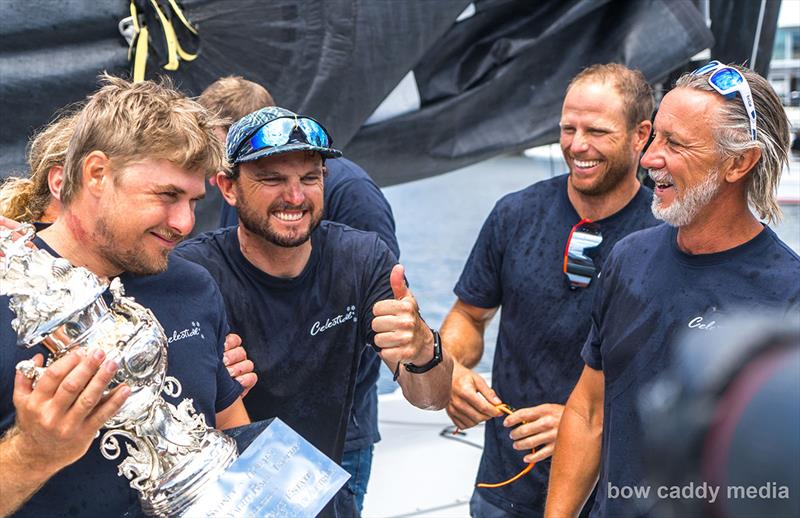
<point x="172" y="454"/>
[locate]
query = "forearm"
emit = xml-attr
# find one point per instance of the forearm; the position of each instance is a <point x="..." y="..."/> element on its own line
<point x="429" y="390"/>
<point x="462" y="334"/>
<point x="233" y="416"/>
<point x="22" y="476"/>
<point x="576" y="462"/>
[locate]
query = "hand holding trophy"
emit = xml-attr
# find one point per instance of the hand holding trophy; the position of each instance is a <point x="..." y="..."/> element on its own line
<point x="174" y="453"/>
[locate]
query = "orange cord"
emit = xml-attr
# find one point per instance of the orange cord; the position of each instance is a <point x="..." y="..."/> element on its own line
<point x="505" y="408"/>
<point x="509" y="481"/>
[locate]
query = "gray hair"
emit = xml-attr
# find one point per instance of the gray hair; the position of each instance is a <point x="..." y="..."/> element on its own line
<point x="733" y="137"/>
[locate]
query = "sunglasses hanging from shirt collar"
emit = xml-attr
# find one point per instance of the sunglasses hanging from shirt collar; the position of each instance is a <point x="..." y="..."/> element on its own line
<point x="579" y="267"/>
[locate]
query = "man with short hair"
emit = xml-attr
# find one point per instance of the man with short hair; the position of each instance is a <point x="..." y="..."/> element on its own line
<point x="134" y="168"/>
<point x="306" y="295"/>
<point x="350" y="198"/>
<point x="518" y="264"/>
<point x="721" y="141"/>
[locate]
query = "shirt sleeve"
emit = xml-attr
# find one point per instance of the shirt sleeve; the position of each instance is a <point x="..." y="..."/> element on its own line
<point x="360" y="204"/>
<point x="591" y="348"/>
<point x="592" y="352"/>
<point x="228" y="389"/>
<point x="480" y="282"/>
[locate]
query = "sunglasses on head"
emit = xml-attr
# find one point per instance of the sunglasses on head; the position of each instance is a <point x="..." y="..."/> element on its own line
<point x="579" y="267"/>
<point x="727" y="81"/>
<point x="282" y="131"/>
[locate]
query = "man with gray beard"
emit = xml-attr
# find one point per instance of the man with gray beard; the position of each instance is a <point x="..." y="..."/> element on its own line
<point x="721" y="141"/>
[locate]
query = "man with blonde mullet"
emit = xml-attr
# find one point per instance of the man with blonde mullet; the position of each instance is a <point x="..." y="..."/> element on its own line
<point x="134" y="168"/>
<point x="721" y="142"/>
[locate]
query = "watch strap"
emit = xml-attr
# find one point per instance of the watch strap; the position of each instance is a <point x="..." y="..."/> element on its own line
<point x="436" y="360"/>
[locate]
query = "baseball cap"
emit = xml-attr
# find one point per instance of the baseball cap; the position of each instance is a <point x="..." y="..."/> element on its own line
<point x="274" y="130"/>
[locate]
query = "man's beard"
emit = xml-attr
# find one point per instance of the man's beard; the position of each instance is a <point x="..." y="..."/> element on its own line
<point x="687" y="205"/>
<point x="617" y="171"/>
<point x="259" y="223"/>
<point x="132" y="260"/>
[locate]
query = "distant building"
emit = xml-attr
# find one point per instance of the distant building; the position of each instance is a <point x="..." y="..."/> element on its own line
<point x="784" y="73"/>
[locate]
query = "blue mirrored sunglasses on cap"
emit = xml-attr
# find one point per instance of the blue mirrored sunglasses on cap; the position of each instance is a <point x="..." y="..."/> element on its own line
<point x="728" y="81"/>
<point x="282" y="131"/>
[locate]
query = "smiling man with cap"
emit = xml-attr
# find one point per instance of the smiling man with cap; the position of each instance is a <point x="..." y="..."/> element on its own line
<point x="307" y="296"/>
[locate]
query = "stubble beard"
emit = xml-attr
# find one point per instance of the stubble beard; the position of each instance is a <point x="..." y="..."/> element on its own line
<point x="618" y="170"/>
<point x="129" y="260"/>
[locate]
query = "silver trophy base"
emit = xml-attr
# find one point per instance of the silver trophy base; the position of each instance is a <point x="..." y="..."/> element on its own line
<point x="183" y="485"/>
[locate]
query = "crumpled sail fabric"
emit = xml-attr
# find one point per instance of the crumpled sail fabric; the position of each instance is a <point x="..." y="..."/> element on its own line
<point x="490" y="83"/>
<point x="333" y="60"/>
<point x="495" y="82"/>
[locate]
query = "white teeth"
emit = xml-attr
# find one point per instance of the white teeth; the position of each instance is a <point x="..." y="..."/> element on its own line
<point x="586" y="163"/>
<point x="288" y="216"/>
<point x="661" y="177"/>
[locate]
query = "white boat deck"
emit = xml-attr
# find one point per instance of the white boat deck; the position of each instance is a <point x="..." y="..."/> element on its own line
<point x="417" y="472"/>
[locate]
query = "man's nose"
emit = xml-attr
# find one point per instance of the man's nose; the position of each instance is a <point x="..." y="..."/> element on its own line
<point x="294" y="194"/>
<point x="181" y="218"/>
<point x="579" y="143"/>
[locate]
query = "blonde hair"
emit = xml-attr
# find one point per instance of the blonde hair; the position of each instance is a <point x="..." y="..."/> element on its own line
<point x="233" y="97"/>
<point x="130" y="122"/>
<point x="25" y="199"/>
<point x="733" y="137"/>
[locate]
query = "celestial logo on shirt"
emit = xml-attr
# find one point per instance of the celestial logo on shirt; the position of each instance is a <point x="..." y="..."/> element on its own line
<point x="194" y="330"/>
<point x="349" y="314"/>
<point x="706" y="322"/>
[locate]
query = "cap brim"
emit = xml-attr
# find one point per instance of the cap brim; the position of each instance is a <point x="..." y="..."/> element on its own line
<point x="326" y="152"/>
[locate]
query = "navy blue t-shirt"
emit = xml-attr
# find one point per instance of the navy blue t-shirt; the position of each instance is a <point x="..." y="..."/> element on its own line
<point x="516" y="263"/>
<point x="353" y="199"/>
<point x="649" y="291"/>
<point x="306" y="334"/>
<point x="188" y="305"/>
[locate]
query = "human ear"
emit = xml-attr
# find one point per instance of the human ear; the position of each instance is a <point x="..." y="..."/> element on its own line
<point x="642" y="134"/>
<point x="742" y="165"/>
<point x="55" y="177"/>
<point x="225" y="185"/>
<point x="96" y="172"/>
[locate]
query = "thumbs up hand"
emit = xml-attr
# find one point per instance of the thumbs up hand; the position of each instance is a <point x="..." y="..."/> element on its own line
<point x="399" y="330"/>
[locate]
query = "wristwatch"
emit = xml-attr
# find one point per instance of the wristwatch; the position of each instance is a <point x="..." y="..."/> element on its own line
<point x="437" y="356"/>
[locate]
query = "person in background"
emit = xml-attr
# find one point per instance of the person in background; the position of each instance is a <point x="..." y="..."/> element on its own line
<point x="522" y="262"/>
<point x="350" y="198"/>
<point x="35" y="198"/>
